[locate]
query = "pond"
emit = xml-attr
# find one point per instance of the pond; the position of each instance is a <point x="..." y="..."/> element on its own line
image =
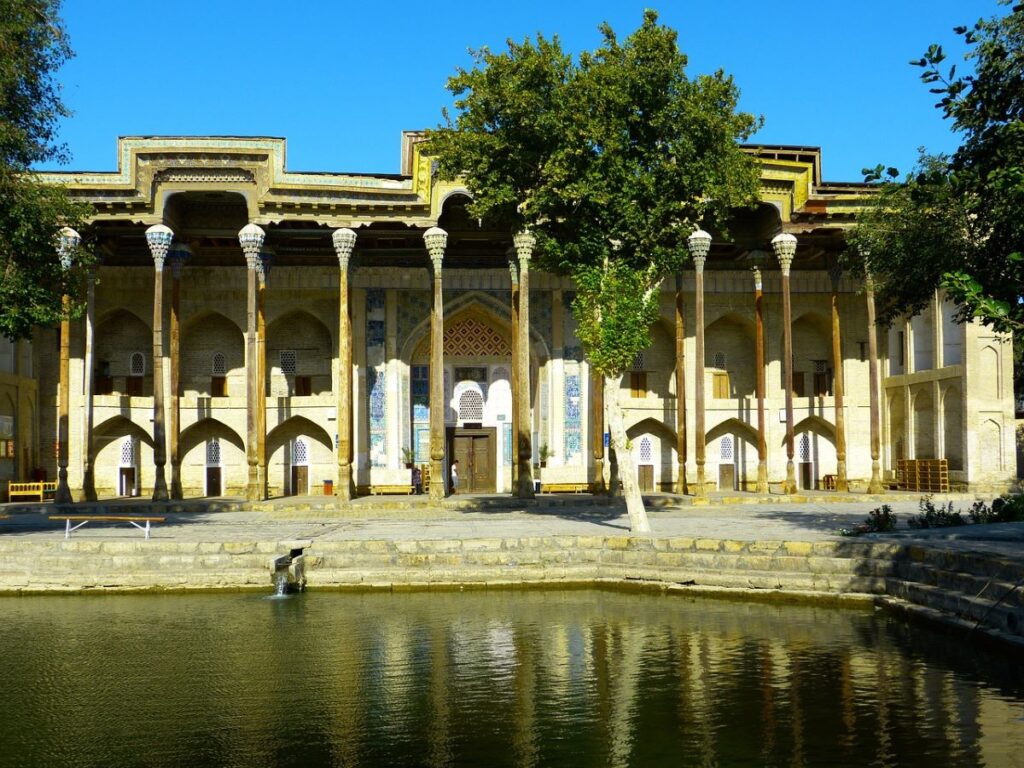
<point x="517" y="678"/>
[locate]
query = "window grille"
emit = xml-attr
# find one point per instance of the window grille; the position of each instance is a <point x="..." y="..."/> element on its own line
<point x="128" y="453"/>
<point x="645" y="451"/>
<point x="720" y="360"/>
<point x="638" y="361"/>
<point x="300" y="456"/>
<point x="137" y="364"/>
<point x="725" y="450"/>
<point x="288" y="362"/>
<point x="805" y="447"/>
<point x="213" y="452"/>
<point x="471" y="406"/>
<point x="220" y="367"/>
<point x="820" y="366"/>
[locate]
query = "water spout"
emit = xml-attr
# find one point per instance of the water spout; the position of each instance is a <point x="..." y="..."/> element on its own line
<point x="288" y="573"/>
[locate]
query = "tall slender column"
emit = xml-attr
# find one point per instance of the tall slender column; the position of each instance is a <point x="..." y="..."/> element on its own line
<point x="699" y="244"/>
<point x="178" y="256"/>
<point x="251" y="239"/>
<point x="88" y="471"/>
<point x="159" y="238"/>
<point x="762" y="443"/>
<point x="524" y="243"/>
<point x="513" y="269"/>
<point x="67" y="243"/>
<point x="875" y="484"/>
<point x="785" y="249"/>
<point x="597" y="428"/>
<point x="344" y="241"/>
<point x="262" y="273"/>
<point x="680" y="389"/>
<point x="835" y="273"/>
<point x="436" y="239"/>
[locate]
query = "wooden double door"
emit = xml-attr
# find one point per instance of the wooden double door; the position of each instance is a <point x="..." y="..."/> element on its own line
<point x="475" y="450"/>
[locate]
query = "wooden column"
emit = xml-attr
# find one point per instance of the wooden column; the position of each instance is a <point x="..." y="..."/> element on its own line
<point x="88" y="469"/>
<point x="513" y="269"/>
<point x="875" y="484"/>
<point x="762" y="442"/>
<point x="597" y="428"/>
<point x="524" y="243"/>
<point x="262" y="271"/>
<point x="699" y="244"/>
<point x="344" y="241"/>
<point x="159" y="238"/>
<point x="436" y="239"/>
<point x="835" y="273"/>
<point x="177" y="258"/>
<point x="680" y="389"/>
<point x="67" y="242"/>
<point x="785" y="249"/>
<point x="251" y="239"/>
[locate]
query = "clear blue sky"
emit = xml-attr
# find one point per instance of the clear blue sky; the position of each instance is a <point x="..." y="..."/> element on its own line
<point x="340" y="79"/>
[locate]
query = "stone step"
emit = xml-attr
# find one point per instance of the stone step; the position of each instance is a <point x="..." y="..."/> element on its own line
<point x="991" y="612"/>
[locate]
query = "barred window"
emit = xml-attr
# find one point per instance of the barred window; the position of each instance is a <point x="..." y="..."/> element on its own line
<point x="820" y="366"/>
<point x="720" y="360"/>
<point x="128" y="453"/>
<point x="300" y="455"/>
<point x="725" y="450"/>
<point x="471" y="406"/>
<point x="213" y="452"/>
<point x="220" y="367"/>
<point x="288" y="361"/>
<point x="805" y="447"/>
<point x="137" y="364"/>
<point x="645" y="451"/>
<point x="638" y="361"/>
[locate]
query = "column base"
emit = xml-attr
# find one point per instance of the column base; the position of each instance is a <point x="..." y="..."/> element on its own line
<point x="176" y="491"/>
<point x="789" y="487"/>
<point x="701" y="490"/>
<point x="525" y="486"/>
<point x="254" y="491"/>
<point x="343" y="491"/>
<point x="598" y="485"/>
<point x="875" y="484"/>
<point x="842" y="484"/>
<point x="63" y="493"/>
<point x="762" y="478"/>
<point x="89" y="484"/>
<point x="438" y="482"/>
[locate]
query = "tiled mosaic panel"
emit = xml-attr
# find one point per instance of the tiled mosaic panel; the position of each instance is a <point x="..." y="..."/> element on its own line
<point x="413" y="309"/>
<point x="420" y="393"/>
<point x="472" y="338"/>
<point x="573" y="418"/>
<point x="507" y="428"/>
<point x="376" y="333"/>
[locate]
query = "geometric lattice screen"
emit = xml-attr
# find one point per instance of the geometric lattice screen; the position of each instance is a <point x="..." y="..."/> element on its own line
<point x="471" y="338"/>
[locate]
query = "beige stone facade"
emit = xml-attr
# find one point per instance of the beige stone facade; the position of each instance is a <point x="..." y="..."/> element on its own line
<point x="945" y="390"/>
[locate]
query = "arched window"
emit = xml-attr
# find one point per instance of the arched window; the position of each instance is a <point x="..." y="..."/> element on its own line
<point x="300" y="454"/>
<point x="288" y="362"/>
<point x="220" y="367"/>
<point x="804" y="451"/>
<point x="725" y="451"/>
<point x="720" y="360"/>
<point x="128" y="452"/>
<point x="137" y="364"/>
<point x="471" y="406"/>
<point x="213" y="452"/>
<point x="645" y="451"/>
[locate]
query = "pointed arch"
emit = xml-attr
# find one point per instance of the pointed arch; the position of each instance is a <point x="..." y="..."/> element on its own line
<point x="653" y="427"/>
<point x="310" y="347"/>
<point x="817" y="425"/>
<point x="114" y="428"/>
<point x="732" y="426"/>
<point x="206" y="428"/>
<point x="297" y="425"/>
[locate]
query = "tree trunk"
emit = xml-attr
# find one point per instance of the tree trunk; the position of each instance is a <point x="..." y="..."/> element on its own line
<point x="627" y="471"/>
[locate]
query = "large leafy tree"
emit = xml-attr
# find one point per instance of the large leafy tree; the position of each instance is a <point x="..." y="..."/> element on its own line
<point x="33" y="46"/>
<point x="611" y="160"/>
<point x="956" y="221"/>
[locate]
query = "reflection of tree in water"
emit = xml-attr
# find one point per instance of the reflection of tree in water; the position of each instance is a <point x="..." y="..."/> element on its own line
<point x="526" y="678"/>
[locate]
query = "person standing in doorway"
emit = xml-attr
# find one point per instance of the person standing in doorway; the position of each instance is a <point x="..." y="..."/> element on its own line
<point x="455" y="476"/>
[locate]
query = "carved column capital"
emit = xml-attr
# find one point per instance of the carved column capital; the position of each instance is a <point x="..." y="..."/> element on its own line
<point x="344" y="241"/>
<point x="159" y="238"/>
<point x="699" y="245"/>
<point x="436" y="239"/>
<point x="251" y="239"/>
<point x="524" y="242"/>
<point x="784" y="246"/>
<point x="756" y="270"/>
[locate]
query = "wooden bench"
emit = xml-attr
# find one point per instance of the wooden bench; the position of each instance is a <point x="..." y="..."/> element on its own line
<point x="564" y="487"/>
<point x="142" y="523"/>
<point x="393" y="490"/>
<point x="36" y="490"/>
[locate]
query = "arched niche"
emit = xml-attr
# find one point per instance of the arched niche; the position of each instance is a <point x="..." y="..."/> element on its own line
<point x="121" y="339"/>
<point x="729" y="351"/>
<point x="299" y="355"/>
<point x="206" y="337"/>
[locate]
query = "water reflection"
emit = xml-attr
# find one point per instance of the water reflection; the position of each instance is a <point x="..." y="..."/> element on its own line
<point x="499" y="678"/>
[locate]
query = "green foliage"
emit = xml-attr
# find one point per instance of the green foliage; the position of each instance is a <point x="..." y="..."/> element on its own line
<point x="611" y="160"/>
<point x="880" y="520"/>
<point x="1005" y="509"/>
<point x="33" y="46"/>
<point x="936" y="517"/>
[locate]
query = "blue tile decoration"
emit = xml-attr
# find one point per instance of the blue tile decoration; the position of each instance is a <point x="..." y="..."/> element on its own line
<point x="376" y="333"/>
<point x="508" y="443"/>
<point x="413" y="309"/>
<point x="422" y="445"/>
<point x="573" y="418"/>
<point x="420" y="393"/>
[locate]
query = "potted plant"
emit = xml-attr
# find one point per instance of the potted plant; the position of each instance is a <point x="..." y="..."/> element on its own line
<point x="408" y="457"/>
<point x="545" y="453"/>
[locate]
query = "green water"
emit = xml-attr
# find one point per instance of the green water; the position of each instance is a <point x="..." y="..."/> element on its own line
<point x="518" y="678"/>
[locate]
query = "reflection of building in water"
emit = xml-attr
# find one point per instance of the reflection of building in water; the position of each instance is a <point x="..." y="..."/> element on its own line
<point x="304" y="351"/>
